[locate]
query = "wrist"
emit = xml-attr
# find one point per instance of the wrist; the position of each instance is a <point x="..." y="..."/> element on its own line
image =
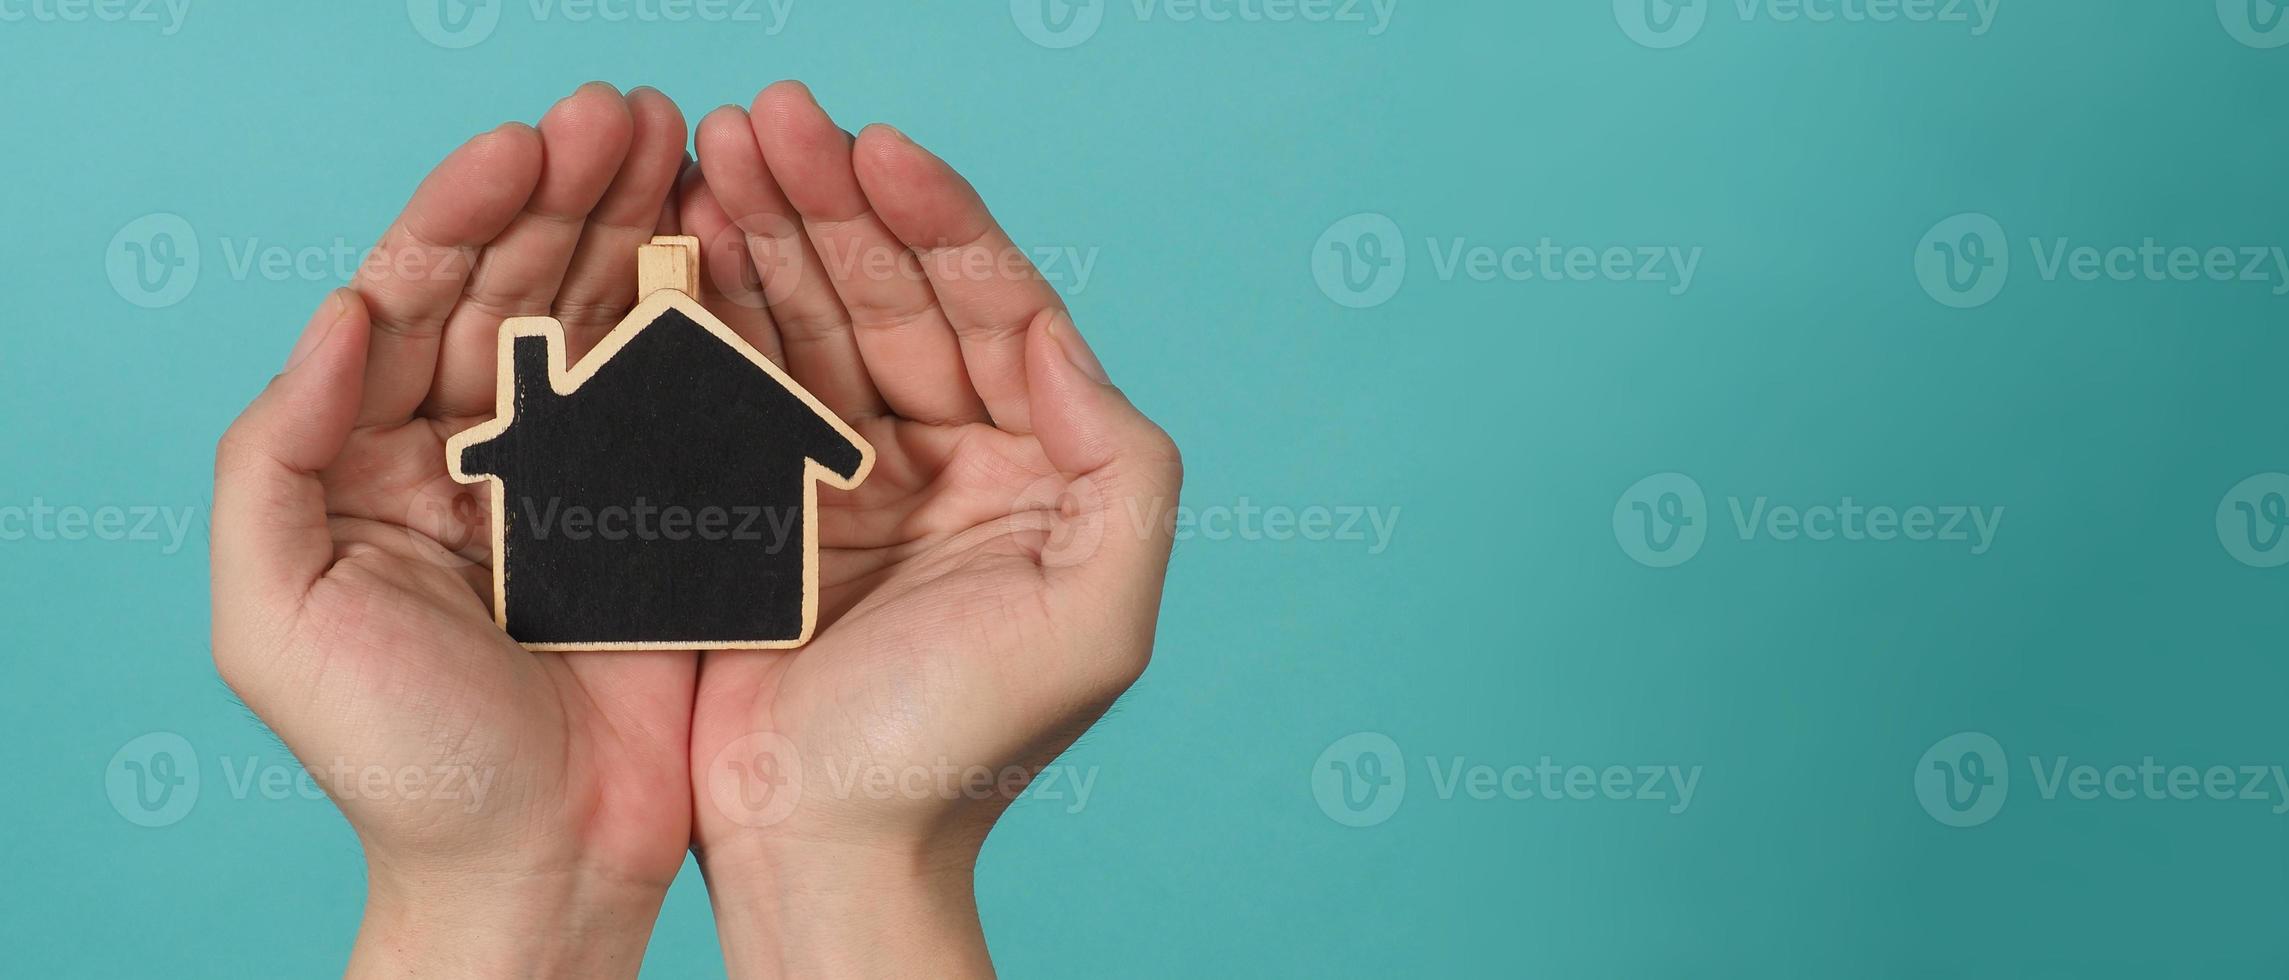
<point x="537" y="924"/>
<point x="829" y="908"/>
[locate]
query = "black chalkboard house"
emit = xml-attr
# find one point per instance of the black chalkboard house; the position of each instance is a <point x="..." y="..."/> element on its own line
<point x="663" y="494"/>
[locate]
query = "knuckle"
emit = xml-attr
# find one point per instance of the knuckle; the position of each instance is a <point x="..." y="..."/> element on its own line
<point x="232" y="670"/>
<point x="1159" y="451"/>
<point x="1129" y="668"/>
<point x="230" y="450"/>
<point x="1117" y="672"/>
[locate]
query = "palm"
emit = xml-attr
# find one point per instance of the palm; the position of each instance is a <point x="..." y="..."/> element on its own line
<point x="934" y="510"/>
<point x="963" y="579"/>
<point x="377" y="648"/>
<point x="931" y="570"/>
<point x="590" y="743"/>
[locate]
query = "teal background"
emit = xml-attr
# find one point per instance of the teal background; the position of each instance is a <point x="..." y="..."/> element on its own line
<point x="1501" y="421"/>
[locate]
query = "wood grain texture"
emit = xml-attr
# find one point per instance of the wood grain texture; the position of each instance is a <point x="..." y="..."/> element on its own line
<point x="668" y="262"/>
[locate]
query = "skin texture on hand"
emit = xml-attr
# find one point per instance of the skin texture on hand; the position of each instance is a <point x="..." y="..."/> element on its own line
<point x="987" y="593"/>
<point x="351" y="606"/>
<point x="989" y="590"/>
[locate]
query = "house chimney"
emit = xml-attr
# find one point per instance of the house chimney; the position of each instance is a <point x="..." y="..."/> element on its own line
<point x="668" y="262"/>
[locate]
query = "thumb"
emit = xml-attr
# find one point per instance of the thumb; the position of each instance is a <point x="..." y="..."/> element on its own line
<point x="270" y="538"/>
<point x="1124" y="472"/>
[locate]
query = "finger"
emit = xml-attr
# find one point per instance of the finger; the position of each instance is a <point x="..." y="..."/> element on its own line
<point x="647" y="694"/>
<point x="814" y="330"/>
<point x="584" y="138"/>
<point x="1124" y="471"/>
<point x="989" y="289"/>
<point x="417" y="271"/>
<point x="600" y="285"/>
<point x="728" y="286"/>
<point x="903" y="338"/>
<point x="270" y="537"/>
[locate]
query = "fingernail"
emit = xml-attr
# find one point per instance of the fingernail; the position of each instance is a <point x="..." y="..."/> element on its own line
<point x="321" y="325"/>
<point x="1077" y="350"/>
<point x="895" y="131"/>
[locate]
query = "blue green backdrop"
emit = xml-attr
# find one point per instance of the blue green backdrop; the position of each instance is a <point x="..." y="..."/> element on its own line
<point x="1836" y="701"/>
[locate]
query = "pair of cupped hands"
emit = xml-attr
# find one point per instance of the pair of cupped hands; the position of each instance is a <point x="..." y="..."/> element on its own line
<point x="986" y="593"/>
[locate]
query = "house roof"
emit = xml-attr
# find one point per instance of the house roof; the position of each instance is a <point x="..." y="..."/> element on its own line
<point x="566" y="380"/>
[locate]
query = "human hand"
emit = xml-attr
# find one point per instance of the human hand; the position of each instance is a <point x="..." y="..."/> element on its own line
<point x="352" y="606"/>
<point x="987" y="592"/>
